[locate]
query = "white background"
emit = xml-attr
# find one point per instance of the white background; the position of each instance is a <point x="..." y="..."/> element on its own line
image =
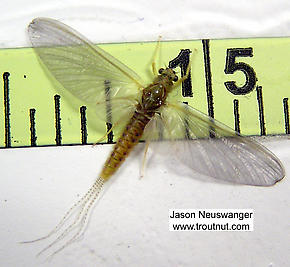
<point x="129" y="226"/>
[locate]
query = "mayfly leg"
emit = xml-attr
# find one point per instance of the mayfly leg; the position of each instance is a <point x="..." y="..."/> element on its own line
<point x="114" y="125"/>
<point x="157" y="48"/>
<point x="182" y="79"/>
<point x="142" y="170"/>
<point x="107" y="133"/>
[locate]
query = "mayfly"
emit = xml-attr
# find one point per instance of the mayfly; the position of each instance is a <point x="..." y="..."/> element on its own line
<point x="203" y="144"/>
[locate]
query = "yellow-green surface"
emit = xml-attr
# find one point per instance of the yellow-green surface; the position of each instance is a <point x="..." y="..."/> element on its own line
<point x="31" y="88"/>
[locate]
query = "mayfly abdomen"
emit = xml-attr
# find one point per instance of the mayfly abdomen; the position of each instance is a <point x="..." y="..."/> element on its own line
<point x="130" y="137"/>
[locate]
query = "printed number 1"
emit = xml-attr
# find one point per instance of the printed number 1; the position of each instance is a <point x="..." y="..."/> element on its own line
<point x="232" y="66"/>
<point x="182" y="60"/>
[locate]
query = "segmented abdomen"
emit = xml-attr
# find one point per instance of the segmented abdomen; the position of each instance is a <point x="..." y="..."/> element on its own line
<point x="125" y="144"/>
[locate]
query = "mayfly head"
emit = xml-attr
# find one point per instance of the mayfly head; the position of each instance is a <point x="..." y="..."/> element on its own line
<point x="169" y="73"/>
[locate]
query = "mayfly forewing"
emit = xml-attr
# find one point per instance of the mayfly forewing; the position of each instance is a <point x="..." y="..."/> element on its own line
<point x="84" y="70"/>
<point x="213" y="149"/>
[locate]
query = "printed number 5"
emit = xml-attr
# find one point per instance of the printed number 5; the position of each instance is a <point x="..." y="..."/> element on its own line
<point x="232" y="66"/>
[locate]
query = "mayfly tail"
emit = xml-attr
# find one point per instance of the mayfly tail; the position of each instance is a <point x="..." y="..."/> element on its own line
<point x="67" y="215"/>
<point x="81" y="227"/>
<point x="79" y="220"/>
<point x="82" y="207"/>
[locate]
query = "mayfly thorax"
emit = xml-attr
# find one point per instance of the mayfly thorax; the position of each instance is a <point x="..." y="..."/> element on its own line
<point x="153" y="97"/>
<point x="142" y="111"/>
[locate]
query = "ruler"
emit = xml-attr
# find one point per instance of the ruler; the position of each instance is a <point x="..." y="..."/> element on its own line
<point x="244" y="83"/>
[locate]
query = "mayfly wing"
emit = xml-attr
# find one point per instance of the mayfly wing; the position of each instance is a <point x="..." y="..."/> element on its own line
<point x="211" y="148"/>
<point x="85" y="70"/>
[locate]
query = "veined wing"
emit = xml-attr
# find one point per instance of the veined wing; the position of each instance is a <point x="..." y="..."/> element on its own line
<point x="85" y="70"/>
<point x="211" y="148"/>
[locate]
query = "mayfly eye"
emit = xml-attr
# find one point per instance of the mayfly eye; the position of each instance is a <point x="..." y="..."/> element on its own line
<point x="161" y="70"/>
<point x="175" y="79"/>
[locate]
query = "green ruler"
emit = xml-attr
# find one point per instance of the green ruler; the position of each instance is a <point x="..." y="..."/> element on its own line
<point x="244" y="83"/>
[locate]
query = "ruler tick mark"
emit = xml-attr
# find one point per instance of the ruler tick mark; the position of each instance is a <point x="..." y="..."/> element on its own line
<point x="83" y="125"/>
<point x="286" y="115"/>
<point x="207" y="70"/>
<point x="109" y="111"/>
<point x="57" y="120"/>
<point x="32" y="127"/>
<point x="237" y="116"/>
<point x="261" y="110"/>
<point x="208" y="76"/>
<point x="7" y="109"/>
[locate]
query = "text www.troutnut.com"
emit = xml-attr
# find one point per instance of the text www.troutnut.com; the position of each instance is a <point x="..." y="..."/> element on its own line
<point x="211" y="220"/>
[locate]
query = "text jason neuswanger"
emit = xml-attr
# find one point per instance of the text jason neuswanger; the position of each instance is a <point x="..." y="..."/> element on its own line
<point x="211" y="220"/>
